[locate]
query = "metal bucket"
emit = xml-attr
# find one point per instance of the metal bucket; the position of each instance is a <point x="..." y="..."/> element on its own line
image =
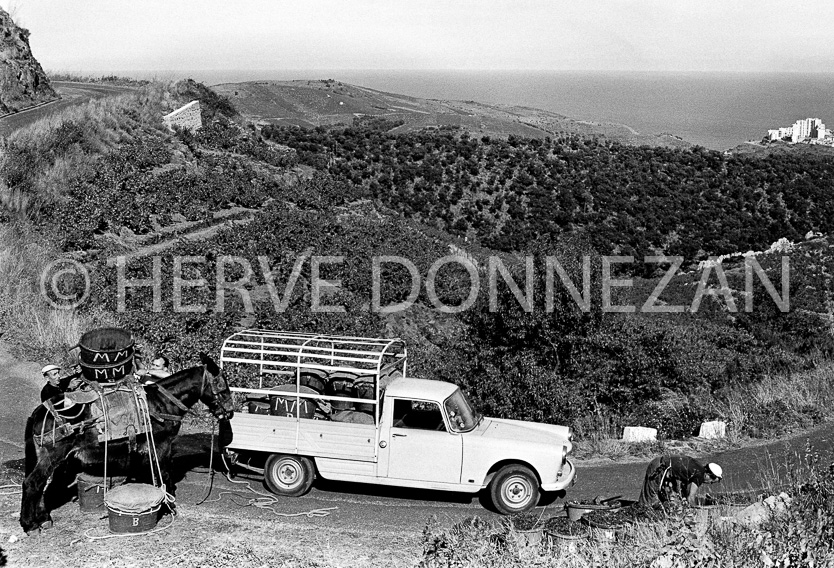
<point x="365" y="389"/>
<point x="604" y="534"/>
<point x="341" y="384"/>
<point x="315" y="382"/>
<point x="133" y="508"/>
<point x="577" y="510"/>
<point x="529" y="538"/>
<point x="567" y="542"/>
<point x="106" y="354"/>
<point x="106" y="346"/>
<point x="258" y="407"/>
<point x="107" y="373"/>
<point x="91" y="491"/>
<point x="122" y="522"/>
<point x="292" y="406"/>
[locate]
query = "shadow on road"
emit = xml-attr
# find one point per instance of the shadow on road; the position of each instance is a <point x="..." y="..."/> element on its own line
<point x="404" y="493"/>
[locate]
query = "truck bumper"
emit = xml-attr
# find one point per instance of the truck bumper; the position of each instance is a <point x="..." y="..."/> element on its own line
<point x="568" y="479"/>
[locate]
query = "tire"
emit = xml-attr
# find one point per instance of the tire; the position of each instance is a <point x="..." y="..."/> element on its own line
<point x="288" y="475"/>
<point x="514" y="489"/>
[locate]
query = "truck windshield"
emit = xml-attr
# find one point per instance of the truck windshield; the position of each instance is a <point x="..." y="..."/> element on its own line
<point x="462" y="417"/>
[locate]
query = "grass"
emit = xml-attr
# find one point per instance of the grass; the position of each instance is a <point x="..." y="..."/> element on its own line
<point x="493" y="544"/>
<point x="39" y="162"/>
<point x="800" y="400"/>
<point x="28" y="319"/>
<point x="799" y="535"/>
<point x="43" y="160"/>
<point x="600" y="437"/>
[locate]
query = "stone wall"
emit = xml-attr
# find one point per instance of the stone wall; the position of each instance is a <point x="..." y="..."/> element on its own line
<point x="187" y="116"/>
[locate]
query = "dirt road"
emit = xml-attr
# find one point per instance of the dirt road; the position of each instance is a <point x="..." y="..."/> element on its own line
<point x="71" y="94"/>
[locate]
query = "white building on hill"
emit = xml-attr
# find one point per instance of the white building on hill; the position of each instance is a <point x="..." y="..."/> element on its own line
<point x="780" y="133"/>
<point x="808" y="129"/>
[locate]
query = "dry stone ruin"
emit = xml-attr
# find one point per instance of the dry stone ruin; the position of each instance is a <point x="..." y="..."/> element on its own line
<point x="187" y="116"/>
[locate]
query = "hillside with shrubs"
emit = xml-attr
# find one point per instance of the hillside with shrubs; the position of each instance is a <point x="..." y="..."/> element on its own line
<point x="108" y="179"/>
<point x="630" y="200"/>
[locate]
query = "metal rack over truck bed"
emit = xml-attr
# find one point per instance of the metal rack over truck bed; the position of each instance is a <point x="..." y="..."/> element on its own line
<point x="284" y="357"/>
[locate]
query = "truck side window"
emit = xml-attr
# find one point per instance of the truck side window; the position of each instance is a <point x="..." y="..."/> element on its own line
<point x="417" y="414"/>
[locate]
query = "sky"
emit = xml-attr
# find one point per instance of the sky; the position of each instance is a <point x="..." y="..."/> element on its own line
<point x="102" y="36"/>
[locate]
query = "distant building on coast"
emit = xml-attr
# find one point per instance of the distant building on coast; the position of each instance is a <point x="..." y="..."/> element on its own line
<point x="802" y="130"/>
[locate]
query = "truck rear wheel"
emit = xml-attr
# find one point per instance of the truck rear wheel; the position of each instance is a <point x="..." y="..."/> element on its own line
<point x="289" y="475"/>
<point x="514" y="489"/>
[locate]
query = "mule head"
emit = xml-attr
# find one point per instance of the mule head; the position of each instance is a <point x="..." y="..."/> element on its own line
<point x="215" y="393"/>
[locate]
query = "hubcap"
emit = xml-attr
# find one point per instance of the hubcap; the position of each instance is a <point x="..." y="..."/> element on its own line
<point x="517" y="491"/>
<point x="288" y="473"/>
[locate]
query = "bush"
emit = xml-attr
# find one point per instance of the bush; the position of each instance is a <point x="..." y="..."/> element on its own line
<point x="674" y="415"/>
<point x="771" y="419"/>
<point x="800" y="535"/>
<point x="211" y="104"/>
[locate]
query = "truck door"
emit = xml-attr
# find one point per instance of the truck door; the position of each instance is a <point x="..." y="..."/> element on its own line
<point x="420" y="447"/>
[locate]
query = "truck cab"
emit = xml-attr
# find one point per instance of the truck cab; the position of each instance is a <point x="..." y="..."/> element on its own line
<point x="405" y="432"/>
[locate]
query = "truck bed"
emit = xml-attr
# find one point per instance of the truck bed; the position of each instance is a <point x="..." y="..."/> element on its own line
<point x="307" y="437"/>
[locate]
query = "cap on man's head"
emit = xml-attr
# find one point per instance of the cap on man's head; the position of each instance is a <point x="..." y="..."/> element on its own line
<point x="715" y="470"/>
<point x="48" y="368"/>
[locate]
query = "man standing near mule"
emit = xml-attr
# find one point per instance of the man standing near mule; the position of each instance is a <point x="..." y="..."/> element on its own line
<point x="160" y="368"/>
<point x="55" y="385"/>
<point x="681" y="474"/>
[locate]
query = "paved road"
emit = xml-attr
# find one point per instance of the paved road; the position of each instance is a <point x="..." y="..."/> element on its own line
<point x="19" y="388"/>
<point x="745" y="469"/>
<point x="386" y="508"/>
<point x="72" y="94"/>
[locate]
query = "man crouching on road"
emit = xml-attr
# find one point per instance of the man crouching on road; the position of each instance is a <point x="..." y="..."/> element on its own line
<point x="677" y="474"/>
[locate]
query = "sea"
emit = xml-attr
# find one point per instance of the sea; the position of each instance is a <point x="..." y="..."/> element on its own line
<point x="715" y="110"/>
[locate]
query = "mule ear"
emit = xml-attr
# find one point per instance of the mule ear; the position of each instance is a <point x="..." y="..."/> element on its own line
<point x="210" y="365"/>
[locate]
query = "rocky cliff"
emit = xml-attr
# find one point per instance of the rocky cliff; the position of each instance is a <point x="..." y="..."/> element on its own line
<point x="22" y="80"/>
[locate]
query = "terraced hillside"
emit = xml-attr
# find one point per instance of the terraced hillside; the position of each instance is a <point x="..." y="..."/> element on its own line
<point x="106" y="179"/>
<point x="327" y="102"/>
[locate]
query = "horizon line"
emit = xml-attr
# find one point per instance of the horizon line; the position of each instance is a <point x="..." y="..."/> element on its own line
<point x="448" y="70"/>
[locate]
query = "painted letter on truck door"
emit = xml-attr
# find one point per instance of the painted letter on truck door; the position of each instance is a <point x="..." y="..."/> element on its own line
<point x="419" y="445"/>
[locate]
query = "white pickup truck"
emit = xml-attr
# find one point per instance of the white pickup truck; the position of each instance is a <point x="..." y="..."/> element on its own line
<point x="343" y="408"/>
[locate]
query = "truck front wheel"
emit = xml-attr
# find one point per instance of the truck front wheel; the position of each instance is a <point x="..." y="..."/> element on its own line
<point x="514" y="489"/>
<point x="289" y="475"/>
